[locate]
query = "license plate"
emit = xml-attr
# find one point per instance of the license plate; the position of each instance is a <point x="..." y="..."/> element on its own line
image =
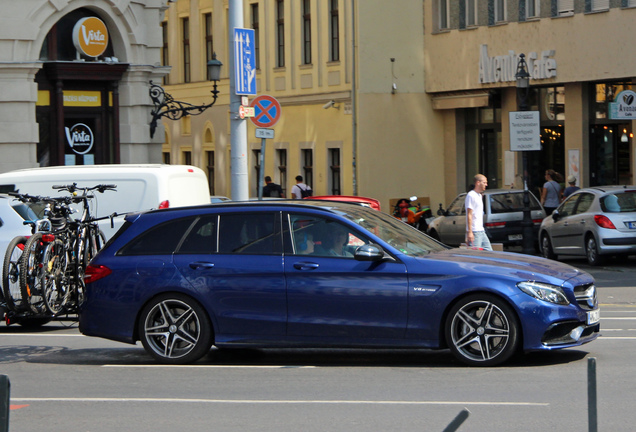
<point x="593" y="316"/>
<point x="631" y="225"/>
<point x="515" y="237"/>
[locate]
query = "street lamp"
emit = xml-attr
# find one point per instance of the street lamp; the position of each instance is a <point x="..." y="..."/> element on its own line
<point x="166" y="106"/>
<point x="523" y="89"/>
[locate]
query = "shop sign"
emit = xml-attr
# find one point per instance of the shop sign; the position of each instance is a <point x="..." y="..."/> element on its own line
<point x="79" y="138"/>
<point x="624" y="106"/>
<point x="503" y="68"/>
<point x="90" y="36"/>
<point x="82" y="98"/>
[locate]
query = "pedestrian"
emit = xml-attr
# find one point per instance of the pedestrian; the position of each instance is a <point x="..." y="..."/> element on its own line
<point x="300" y="189"/>
<point x="272" y="189"/>
<point x="572" y="188"/>
<point x="551" y="192"/>
<point x="475" y="232"/>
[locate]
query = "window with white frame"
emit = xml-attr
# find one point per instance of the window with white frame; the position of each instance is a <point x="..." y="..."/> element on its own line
<point x="500" y="10"/>
<point x="443" y="14"/>
<point x="532" y="8"/>
<point x="471" y="13"/>
<point x="600" y="5"/>
<point x="565" y="7"/>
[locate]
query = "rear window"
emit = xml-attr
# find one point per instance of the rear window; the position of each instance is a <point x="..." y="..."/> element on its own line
<point x="162" y="239"/>
<point x="619" y="202"/>
<point x="24" y="211"/>
<point x="511" y="202"/>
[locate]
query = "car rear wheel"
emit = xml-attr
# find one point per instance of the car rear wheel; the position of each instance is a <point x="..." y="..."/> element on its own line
<point x="11" y="275"/>
<point x="482" y="330"/>
<point x="175" y="329"/>
<point x="546" y="247"/>
<point x="591" y="251"/>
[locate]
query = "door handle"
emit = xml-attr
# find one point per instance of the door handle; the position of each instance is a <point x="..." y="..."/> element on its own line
<point x="306" y="266"/>
<point x="201" y="264"/>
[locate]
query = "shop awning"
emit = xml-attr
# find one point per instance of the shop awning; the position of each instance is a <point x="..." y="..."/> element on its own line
<point x="461" y="99"/>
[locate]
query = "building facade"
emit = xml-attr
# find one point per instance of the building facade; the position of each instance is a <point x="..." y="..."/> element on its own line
<point x="581" y="69"/>
<point x="350" y="81"/>
<point x="74" y="78"/>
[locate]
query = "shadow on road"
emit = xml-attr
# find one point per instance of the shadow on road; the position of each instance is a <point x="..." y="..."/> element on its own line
<point x="136" y="356"/>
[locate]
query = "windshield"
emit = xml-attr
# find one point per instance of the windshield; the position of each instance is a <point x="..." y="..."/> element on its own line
<point x="401" y="236"/>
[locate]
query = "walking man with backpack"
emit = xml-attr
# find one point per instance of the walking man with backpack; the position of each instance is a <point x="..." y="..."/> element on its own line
<point x="300" y="190"/>
<point x="272" y="189"/>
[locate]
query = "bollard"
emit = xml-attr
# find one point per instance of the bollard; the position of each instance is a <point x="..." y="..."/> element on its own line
<point x="5" y="397"/>
<point x="592" y="416"/>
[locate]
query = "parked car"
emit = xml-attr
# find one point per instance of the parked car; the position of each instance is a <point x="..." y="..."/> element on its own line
<point x="594" y="222"/>
<point x="369" y="202"/>
<point x="265" y="274"/>
<point x="503" y="213"/>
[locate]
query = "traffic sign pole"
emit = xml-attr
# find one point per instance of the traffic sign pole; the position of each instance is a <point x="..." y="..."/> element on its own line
<point x="261" y="164"/>
<point x="238" y="128"/>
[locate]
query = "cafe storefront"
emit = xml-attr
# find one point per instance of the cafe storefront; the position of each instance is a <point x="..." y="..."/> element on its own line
<point x="85" y="78"/>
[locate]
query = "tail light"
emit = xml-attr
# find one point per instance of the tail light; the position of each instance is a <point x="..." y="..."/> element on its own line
<point x="164" y="204"/>
<point x="48" y="238"/>
<point x="537" y="221"/>
<point x="603" y="222"/>
<point x="95" y="272"/>
<point x="495" y="224"/>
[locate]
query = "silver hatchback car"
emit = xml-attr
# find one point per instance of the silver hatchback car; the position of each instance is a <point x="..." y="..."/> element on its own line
<point x="503" y="213"/>
<point x="593" y="222"/>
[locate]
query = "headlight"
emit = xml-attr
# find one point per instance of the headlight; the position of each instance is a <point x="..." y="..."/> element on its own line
<point x="542" y="291"/>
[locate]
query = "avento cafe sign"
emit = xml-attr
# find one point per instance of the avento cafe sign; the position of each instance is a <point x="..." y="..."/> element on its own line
<point x="90" y="36"/>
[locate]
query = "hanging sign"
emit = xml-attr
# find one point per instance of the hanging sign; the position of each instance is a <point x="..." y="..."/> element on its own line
<point x="90" y="36"/>
<point x="624" y="107"/>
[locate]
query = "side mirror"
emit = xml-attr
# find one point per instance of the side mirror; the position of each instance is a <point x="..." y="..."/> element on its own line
<point x="555" y="215"/>
<point x="369" y="252"/>
<point x="440" y="210"/>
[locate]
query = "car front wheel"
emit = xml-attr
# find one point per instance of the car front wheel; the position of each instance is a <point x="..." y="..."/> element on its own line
<point x="482" y="330"/>
<point x="175" y="329"/>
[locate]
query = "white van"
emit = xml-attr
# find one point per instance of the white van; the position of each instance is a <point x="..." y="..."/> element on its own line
<point x="139" y="186"/>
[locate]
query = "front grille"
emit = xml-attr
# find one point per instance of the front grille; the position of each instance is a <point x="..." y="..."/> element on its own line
<point x="586" y="296"/>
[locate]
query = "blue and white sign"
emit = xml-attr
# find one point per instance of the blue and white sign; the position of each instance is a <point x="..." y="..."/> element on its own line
<point x="244" y="61"/>
<point x="624" y="107"/>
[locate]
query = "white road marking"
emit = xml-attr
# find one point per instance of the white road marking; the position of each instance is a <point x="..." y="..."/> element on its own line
<point x="290" y="402"/>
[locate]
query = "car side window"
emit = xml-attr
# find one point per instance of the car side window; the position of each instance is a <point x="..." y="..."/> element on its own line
<point x="584" y="203"/>
<point x="567" y="207"/>
<point x="457" y="206"/>
<point x="249" y="233"/>
<point x="201" y="238"/>
<point x="162" y="239"/>
<point x="311" y="235"/>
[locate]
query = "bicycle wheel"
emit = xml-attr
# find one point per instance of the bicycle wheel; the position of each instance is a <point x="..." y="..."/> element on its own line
<point x="11" y="275"/>
<point x="55" y="289"/>
<point x="31" y="272"/>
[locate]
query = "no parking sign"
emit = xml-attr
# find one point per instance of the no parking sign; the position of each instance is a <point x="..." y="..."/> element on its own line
<point x="267" y="111"/>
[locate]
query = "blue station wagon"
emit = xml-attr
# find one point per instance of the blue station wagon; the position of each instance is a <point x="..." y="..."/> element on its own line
<point x="324" y="274"/>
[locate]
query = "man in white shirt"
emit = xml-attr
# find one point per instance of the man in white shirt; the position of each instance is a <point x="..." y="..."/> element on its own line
<point x="300" y="189"/>
<point x="475" y="233"/>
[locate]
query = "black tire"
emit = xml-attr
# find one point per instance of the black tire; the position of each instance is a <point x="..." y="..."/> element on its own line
<point x="175" y="329"/>
<point x="55" y="288"/>
<point x="591" y="251"/>
<point x="546" y="247"/>
<point x="11" y="275"/>
<point x="482" y="330"/>
<point x="33" y="322"/>
<point x="31" y="272"/>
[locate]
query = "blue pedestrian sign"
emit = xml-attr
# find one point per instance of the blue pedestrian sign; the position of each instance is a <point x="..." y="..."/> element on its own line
<point x="244" y="61"/>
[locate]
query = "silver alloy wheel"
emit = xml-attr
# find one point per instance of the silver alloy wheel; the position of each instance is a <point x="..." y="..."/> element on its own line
<point x="172" y="329"/>
<point x="591" y="251"/>
<point x="480" y="331"/>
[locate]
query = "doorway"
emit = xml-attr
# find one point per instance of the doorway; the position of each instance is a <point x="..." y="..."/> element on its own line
<point x="610" y="155"/>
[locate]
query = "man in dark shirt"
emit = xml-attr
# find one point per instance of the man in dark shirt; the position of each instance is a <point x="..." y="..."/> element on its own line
<point x="271" y="189"/>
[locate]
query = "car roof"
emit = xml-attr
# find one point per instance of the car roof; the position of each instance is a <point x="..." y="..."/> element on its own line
<point x="608" y="189"/>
